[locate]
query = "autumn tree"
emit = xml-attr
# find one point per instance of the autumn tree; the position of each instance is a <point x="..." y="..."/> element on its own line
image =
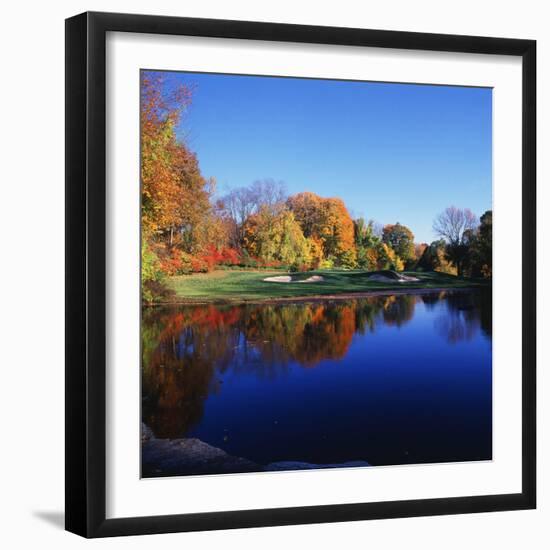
<point x="337" y="233"/>
<point x="434" y="258"/>
<point x="329" y="221"/>
<point x="174" y="194"/>
<point x="241" y="202"/>
<point x="239" y="205"/>
<point x="387" y="258"/>
<point x="276" y="237"/>
<point x="213" y="229"/>
<point x="307" y="209"/>
<point x="456" y="226"/>
<point x="367" y="244"/>
<point x="159" y="182"/>
<point x="182" y="229"/>
<point x="315" y="252"/>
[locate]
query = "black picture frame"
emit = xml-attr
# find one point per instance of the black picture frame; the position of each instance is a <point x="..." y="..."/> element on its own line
<point x="86" y="274"/>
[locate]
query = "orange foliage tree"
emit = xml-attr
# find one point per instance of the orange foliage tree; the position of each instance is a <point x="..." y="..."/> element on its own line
<point x="327" y="221"/>
<point x="181" y="229"/>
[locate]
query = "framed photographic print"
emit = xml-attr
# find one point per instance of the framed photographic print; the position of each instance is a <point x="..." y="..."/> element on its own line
<point x="300" y="274"/>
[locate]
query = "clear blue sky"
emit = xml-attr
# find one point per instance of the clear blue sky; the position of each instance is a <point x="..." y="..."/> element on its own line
<point x="392" y="152"/>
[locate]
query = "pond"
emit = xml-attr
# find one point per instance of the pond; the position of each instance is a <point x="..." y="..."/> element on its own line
<point x="393" y="379"/>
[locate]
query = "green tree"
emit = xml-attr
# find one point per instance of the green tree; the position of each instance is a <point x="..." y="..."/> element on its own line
<point x="485" y="243"/>
<point x="388" y="259"/>
<point x="401" y="239"/>
<point x="367" y="244"/>
<point x="434" y="258"/>
<point x="277" y="237"/>
<point x="481" y="247"/>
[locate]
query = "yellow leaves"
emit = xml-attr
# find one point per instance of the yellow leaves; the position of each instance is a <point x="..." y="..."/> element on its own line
<point x="276" y="237"/>
<point x="315" y="247"/>
<point x="399" y="264"/>
<point x="443" y="265"/>
<point x="328" y="221"/>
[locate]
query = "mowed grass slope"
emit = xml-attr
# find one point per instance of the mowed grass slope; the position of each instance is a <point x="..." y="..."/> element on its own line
<point x="232" y="285"/>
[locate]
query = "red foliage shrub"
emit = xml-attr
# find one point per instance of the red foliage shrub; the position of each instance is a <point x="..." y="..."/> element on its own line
<point x="177" y="262"/>
<point x="213" y="257"/>
<point x="172" y="263"/>
<point x="230" y="256"/>
<point x="269" y="263"/>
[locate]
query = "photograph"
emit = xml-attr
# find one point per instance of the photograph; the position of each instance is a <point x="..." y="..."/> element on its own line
<point x="316" y="273"/>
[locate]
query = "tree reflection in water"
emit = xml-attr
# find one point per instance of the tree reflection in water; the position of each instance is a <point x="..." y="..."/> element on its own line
<point x="466" y="313"/>
<point x="185" y="349"/>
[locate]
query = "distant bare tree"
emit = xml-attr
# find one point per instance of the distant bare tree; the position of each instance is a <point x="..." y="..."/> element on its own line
<point x="268" y="193"/>
<point x="377" y="228"/>
<point x="453" y="222"/>
<point x="242" y="202"/>
<point x="239" y="203"/>
<point x="455" y="225"/>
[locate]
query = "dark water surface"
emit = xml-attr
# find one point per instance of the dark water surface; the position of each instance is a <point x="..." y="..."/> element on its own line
<point x="390" y="379"/>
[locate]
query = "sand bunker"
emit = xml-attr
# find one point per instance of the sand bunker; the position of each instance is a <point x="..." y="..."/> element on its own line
<point x="384" y="277"/>
<point x="280" y="279"/>
<point x="313" y="279"/>
<point x="289" y="279"/>
<point x="397" y="278"/>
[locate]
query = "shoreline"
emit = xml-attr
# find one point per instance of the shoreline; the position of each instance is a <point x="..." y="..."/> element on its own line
<point x="191" y="456"/>
<point x="312" y="298"/>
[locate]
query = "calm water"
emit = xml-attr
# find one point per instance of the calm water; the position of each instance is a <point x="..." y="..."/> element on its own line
<point x="390" y="380"/>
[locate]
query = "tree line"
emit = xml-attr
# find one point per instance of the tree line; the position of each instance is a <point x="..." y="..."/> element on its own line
<point x="187" y="227"/>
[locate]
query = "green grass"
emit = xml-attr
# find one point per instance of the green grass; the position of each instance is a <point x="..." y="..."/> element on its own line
<point x="249" y="285"/>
